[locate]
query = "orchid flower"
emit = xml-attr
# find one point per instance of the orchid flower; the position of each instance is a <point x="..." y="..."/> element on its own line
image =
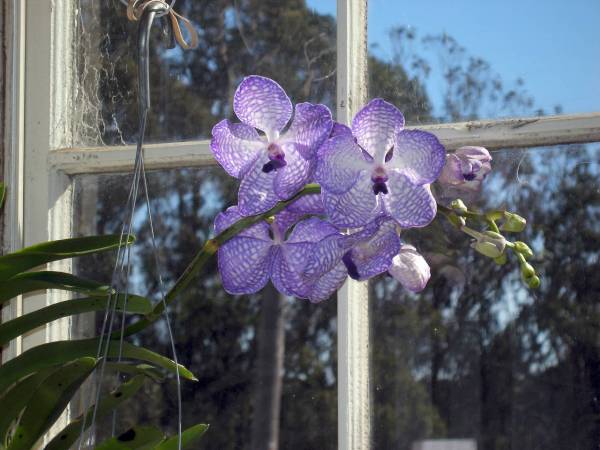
<point x="273" y="166"/>
<point x="377" y="167"/>
<point x="306" y="264"/>
<point x="466" y="168"/>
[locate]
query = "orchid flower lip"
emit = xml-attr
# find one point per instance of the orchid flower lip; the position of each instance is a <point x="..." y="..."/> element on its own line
<point x="350" y="265"/>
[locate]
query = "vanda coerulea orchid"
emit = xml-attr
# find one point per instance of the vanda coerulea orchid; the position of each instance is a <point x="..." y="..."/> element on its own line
<point x="375" y="179"/>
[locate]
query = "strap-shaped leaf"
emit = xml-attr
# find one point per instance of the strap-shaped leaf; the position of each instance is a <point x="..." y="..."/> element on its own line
<point x="188" y="437"/>
<point x="35" y="281"/>
<point x="67" y="437"/>
<point x="137" y="369"/>
<point x="135" y="438"/>
<point x="46" y="252"/>
<point x="46" y="355"/>
<point x="13" y="328"/>
<point x="15" y="400"/>
<point x="48" y="401"/>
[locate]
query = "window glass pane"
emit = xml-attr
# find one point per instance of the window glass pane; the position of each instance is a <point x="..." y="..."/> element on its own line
<point x="452" y="61"/>
<point x="476" y="355"/>
<point x="192" y="90"/>
<point x="229" y="342"/>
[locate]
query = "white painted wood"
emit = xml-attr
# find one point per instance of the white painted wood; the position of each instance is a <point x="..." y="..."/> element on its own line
<point x="39" y="203"/>
<point x="353" y="307"/>
<point x="519" y="132"/>
<point x="493" y="134"/>
<point x="120" y="158"/>
<point x="14" y="147"/>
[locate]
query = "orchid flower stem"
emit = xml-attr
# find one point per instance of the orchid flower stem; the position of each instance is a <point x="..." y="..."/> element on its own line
<point x="206" y="253"/>
<point x="478" y="216"/>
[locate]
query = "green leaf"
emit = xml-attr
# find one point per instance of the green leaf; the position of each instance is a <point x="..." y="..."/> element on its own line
<point x="46" y="355"/>
<point x="137" y="369"/>
<point x="13" y="328"/>
<point x="46" y="252"/>
<point x="188" y="437"/>
<point x="15" y="400"/>
<point x="134" y="438"/>
<point x="48" y="402"/>
<point x="2" y="193"/>
<point x="35" y="281"/>
<point x="67" y="437"/>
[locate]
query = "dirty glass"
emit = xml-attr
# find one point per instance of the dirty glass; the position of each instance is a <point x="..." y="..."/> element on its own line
<point x="477" y="361"/>
<point x="266" y="365"/>
<point x="191" y="90"/>
<point x="467" y="59"/>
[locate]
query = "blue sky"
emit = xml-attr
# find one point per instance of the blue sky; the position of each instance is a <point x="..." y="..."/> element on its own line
<point x="553" y="45"/>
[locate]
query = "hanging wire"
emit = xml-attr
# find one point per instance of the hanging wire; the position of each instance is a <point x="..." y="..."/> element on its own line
<point x="122" y="268"/>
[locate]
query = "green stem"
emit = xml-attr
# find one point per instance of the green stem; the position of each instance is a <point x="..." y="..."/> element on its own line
<point x="480" y="217"/>
<point x="206" y="253"/>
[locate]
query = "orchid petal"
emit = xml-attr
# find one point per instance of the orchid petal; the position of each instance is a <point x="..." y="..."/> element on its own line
<point x="410" y="205"/>
<point x="235" y="146"/>
<point x="261" y="103"/>
<point x="292" y="177"/>
<point x="339" y="163"/>
<point x="256" y="194"/>
<point x="410" y="269"/>
<point x="327" y="248"/>
<point x="374" y="254"/>
<point x="375" y="127"/>
<point x="244" y="264"/>
<point x="418" y="155"/>
<point x="286" y="280"/>
<point x="231" y="215"/>
<point x="355" y="208"/>
<point x="452" y="173"/>
<point x="312" y="124"/>
<point x="328" y="284"/>
<point x="305" y="205"/>
<point x="339" y="128"/>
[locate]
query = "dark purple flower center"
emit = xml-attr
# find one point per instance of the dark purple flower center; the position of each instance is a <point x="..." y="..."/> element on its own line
<point x="350" y="265"/>
<point x="276" y="157"/>
<point x="379" y="179"/>
<point x="469" y="176"/>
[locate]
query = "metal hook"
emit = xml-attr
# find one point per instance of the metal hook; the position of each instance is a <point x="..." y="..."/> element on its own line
<point x="146" y="21"/>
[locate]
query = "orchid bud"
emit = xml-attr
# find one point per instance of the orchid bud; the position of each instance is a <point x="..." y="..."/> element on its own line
<point x="501" y="260"/>
<point x="513" y="223"/>
<point x="410" y="269"/>
<point x="490" y="244"/>
<point x="459" y="206"/>
<point x="466" y="168"/>
<point x="527" y="271"/>
<point x="523" y="249"/>
<point x="534" y="282"/>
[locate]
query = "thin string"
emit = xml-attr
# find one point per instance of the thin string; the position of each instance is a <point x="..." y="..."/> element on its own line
<point x="123" y="261"/>
<point x="123" y="254"/>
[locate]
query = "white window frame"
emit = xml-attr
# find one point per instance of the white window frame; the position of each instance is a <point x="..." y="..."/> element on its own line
<point x="41" y="159"/>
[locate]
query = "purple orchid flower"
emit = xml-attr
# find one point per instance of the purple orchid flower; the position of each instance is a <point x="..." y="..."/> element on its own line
<point x="306" y="264"/>
<point x="466" y="168"/>
<point x="371" y="249"/>
<point x="275" y="166"/>
<point x="378" y="168"/>
<point x="410" y="269"/>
